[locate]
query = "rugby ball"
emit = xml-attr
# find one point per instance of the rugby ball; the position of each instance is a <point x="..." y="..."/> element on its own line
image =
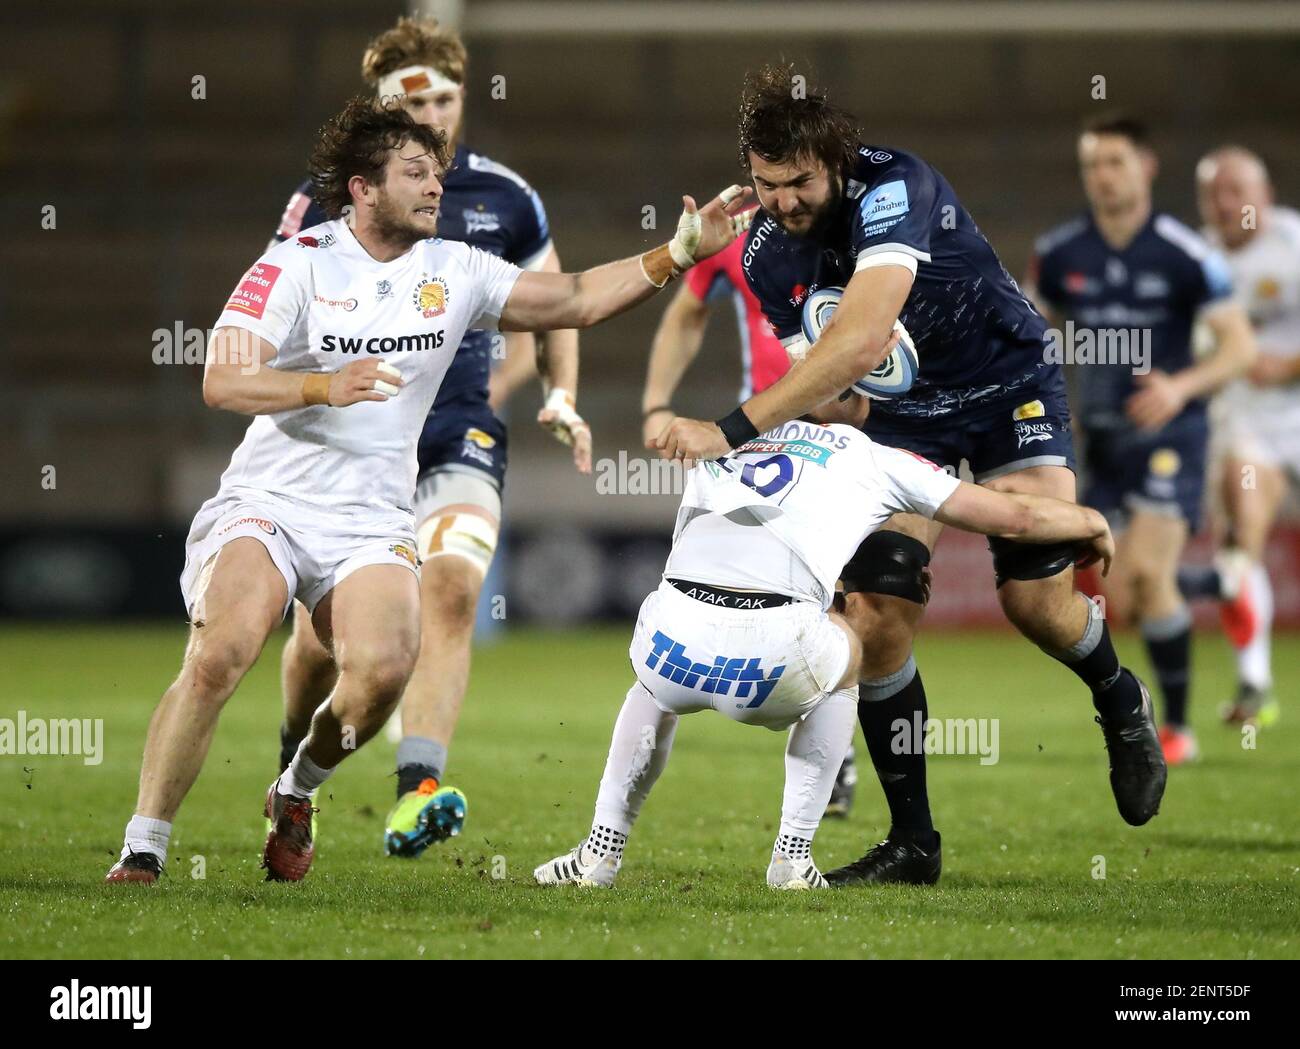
<point x="896" y="373"/>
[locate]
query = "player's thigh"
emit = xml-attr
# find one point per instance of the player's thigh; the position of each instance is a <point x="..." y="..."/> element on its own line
<point x="1152" y="546"/>
<point x="1058" y="482"/>
<point x="1050" y="567"/>
<point x="850" y="675"/>
<point x="305" y="644"/>
<point x="374" y="616"/>
<point x="456" y="545"/>
<point x="238" y="600"/>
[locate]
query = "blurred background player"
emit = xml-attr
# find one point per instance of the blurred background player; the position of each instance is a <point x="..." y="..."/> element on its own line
<point x="741" y="623"/>
<point x="462" y="449"/>
<point x="1134" y="280"/>
<point x="676" y="344"/>
<point x="888" y="227"/>
<point x="1255" y="420"/>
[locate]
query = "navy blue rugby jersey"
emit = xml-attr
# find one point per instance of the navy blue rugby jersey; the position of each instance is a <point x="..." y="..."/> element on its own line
<point x="486" y="205"/>
<point x="1129" y="310"/>
<point x="977" y="336"/>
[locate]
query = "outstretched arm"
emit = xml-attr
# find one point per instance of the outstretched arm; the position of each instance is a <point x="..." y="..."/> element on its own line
<point x="543" y="301"/>
<point x="1029" y="519"/>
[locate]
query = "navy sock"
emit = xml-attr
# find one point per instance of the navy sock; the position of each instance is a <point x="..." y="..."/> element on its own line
<point x="1200" y="582"/>
<point x="1169" y="646"/>
<point x="409" y="777"/>
<point x="902" y="776"/>
<point x="288" y="746"/>
<point x="1115" y="695"/>
<point x="418" y="759"/>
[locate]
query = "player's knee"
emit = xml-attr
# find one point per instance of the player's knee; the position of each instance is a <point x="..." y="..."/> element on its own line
<point x="1033" y="603"/>
<point x="380" y="668"/>
<point x="215" y="665"/>
<point x="885" y="627"/>
<point x="449" y="589"/>
<point x="891" y="564"/>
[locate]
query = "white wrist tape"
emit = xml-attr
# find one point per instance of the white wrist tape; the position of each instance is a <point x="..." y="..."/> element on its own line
<point x="567" y="420"/>
<point x="686" y="243"/>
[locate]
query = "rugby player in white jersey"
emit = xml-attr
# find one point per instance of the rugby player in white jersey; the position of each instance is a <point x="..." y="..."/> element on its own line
<point x="337" y="341"/>
<point x="1256" y="420"/>
<point x="462" y="450"/>
<point x="741" y="622"/>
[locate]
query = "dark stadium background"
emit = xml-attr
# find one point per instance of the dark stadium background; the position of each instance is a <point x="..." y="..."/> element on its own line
<point x="162" y="201"/>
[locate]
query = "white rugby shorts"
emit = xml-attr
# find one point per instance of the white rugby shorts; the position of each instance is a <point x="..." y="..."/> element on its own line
<point x="769" y="666"/>
<point x="313" y="552"/>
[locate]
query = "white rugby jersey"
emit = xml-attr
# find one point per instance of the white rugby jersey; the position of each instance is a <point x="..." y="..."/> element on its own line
<point x="1266" y="281"/>
<point x="785" y="512"/>
<point x="324" y="302"/>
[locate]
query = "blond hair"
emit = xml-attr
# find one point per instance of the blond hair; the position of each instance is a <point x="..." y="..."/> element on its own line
<point x="415" y="41"/>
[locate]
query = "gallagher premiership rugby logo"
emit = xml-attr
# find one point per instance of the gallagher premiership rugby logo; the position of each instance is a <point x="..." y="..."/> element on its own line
<point x="430" y="297"/>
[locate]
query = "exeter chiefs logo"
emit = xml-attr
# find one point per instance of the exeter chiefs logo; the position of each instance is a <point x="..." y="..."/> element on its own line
<point x="430" y="297"/>
<point x="405" y="553"/>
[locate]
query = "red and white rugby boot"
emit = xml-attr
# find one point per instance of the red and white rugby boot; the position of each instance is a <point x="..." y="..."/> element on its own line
<point x="1237" y="607"/>
<point x="289" y="849"/>
<point x="142" y="867"/>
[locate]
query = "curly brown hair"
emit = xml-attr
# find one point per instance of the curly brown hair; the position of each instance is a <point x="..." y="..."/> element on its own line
<point x="782" y="120"/>
<point x="356" y="141"/>
<point x="412" y="41"/>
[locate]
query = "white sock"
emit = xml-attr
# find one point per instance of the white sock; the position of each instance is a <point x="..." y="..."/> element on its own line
<point x="792" y="846"/>
<point x="813" y="756"/>
<point x="147" y="835"/>
<point x="638" y="752"/>
<point x="303" y="776"/>
<point x="605" y="841"/>
<point x="1254" y="662"/>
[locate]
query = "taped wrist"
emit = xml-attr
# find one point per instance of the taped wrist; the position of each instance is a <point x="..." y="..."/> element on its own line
<point x="658" y="266"/>
<point x="316" y="388"/>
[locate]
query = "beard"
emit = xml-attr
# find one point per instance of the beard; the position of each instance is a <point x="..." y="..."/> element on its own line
<point x="395" y="224"/>
<point x="819" y="218"/>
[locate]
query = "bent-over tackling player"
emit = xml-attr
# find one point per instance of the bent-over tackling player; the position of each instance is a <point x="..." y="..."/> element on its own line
<point x="741" y="622"/>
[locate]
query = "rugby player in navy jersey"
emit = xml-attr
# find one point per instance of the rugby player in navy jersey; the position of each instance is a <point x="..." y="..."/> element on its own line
<point x="462" y="449"/>
<point x="1128" y="278"/>
<point x="887" y="227"/>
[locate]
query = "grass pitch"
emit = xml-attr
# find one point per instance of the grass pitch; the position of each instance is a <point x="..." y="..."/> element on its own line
<point x="1215" y="875"/>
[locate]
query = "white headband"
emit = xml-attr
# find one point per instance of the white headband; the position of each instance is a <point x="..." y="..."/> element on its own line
<point x="413" y="80"/>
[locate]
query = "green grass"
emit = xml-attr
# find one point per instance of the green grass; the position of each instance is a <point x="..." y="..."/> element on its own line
<point x="1216" y="874"/>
